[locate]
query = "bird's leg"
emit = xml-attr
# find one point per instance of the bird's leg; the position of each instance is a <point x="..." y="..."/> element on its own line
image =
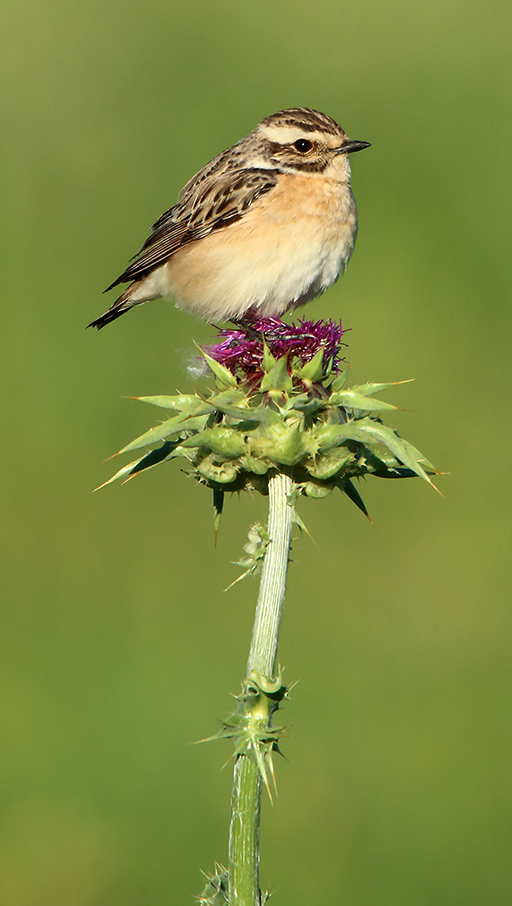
<point x="245" y="324"/>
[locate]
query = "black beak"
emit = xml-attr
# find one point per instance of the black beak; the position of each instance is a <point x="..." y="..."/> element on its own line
<point x="349" y="146"/>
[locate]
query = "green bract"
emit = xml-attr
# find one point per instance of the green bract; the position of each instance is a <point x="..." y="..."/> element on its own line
<point x="301" y="420"/>
<point x="250" y="726"/>
<point x="216" y="891"/>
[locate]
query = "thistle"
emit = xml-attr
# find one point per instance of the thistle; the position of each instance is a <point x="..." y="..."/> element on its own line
<point x="280" y="418"/>
<point x="279" y="402"/>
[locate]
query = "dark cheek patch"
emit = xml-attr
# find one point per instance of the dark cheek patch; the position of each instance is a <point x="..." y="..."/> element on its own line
<point x="311" y="166"/>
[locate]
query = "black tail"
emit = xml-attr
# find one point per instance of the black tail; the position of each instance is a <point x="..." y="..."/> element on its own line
<point x="111" y="315"/>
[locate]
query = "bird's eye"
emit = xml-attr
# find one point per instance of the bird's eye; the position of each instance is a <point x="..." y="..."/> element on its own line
<point x="302" y="145"/>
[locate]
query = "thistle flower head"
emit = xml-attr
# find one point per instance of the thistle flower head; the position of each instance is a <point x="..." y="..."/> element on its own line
<point x="278" y="400"/>
<point x="241" y="349"/>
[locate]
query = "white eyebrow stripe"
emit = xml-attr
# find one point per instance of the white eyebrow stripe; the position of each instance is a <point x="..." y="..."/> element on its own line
<point x="286" y="135"/>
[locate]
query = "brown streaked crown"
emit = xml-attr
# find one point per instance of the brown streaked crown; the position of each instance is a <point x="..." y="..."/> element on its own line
<point x="303" y="118"/>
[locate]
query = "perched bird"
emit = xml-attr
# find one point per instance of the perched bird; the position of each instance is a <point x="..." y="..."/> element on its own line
<point x="263" y="228"/>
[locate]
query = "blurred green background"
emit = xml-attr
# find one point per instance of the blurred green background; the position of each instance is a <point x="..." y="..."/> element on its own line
<point x="118" y="646"/>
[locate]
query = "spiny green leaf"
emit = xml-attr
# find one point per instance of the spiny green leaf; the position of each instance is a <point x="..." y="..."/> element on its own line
<point x="268" y="359"/>
<point x="313" y="370"/>
<point x="122" y="473"/>
<point x="348" y="488"/>
<point x="327" y="368"/>
<point x="381" y="434"/>
<point x="184" y="402"/>
<point x="363" y="431"/>
<point x="278" y="378"/>
<point x="327" y="435"/>
<point x="222" y="403"/>
<point x="223" y="374"/>
<point x="218" y="506"/>
<point x="304" y="403"/>
<point x="155" y="457"/>
<point x="265" y="415"/>
<point x="228" y="398"/>
<point x="428" y="467"/>
<point x="340" y="380"/>
<point x="351" y="399"/>
<point x="160" y="432"/>
<point x="221" y="440"/>
<point x="327" y="464"/>
<point x="392" y="471"/>
<point x="368" y="389"/>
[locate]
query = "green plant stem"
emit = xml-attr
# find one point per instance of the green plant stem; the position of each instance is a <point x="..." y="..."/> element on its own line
<point x="246" y="797"/>
<point x="269" y="609"/>
<point x="244" y="835"/>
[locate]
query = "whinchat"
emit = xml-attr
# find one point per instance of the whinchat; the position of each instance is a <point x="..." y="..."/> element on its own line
<point x="263" y="228"/>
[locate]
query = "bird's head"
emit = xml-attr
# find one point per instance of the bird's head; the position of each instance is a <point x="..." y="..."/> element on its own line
<point x="300" y="140"/>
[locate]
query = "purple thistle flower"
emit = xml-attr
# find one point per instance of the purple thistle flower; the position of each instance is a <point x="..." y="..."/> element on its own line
<point x="241" y="349"/>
